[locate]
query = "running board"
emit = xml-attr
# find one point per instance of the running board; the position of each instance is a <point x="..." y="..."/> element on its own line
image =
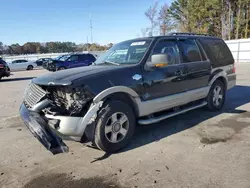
<point x="160" y="118"/>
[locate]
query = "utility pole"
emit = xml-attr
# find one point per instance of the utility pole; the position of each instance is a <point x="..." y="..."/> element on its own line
<point x="87" y="43"/>
<point x="91" y="33"/>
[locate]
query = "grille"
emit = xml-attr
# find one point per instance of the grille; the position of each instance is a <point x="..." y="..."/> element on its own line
<point x="33" y="94"/>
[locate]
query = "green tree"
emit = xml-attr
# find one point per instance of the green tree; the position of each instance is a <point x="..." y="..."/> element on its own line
<point x="1" y="48"/>
<point x="228" y="19"/>
<point x="178" y="11"/>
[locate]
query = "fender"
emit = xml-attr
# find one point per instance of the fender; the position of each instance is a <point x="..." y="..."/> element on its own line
<point x="216" y="74"/>
<point x="90" y="129"/>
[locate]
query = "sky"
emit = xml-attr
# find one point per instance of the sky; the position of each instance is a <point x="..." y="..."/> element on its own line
<point x="24" y="21"/>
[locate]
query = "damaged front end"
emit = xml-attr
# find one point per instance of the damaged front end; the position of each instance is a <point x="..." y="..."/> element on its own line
<point x="53" y="112"/>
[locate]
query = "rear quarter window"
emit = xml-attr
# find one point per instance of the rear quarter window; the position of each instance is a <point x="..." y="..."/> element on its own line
<point x="217" y="51"/>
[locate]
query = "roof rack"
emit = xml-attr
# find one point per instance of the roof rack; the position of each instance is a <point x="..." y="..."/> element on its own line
<point x="173" y="34"/>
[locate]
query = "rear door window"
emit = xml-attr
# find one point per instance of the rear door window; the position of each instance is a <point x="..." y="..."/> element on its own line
<point x="73" y="58"/>
<point x="217" y="51"/>
<point x="189" y="51"/>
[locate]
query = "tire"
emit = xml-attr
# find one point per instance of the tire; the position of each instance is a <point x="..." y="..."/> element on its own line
<point x="216" y="96"/>
<point x="61" y="68"/>
<point x="115" y="126"/>
<point x="30" y="67"/>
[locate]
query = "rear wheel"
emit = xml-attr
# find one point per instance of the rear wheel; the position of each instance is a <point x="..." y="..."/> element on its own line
<point x="216" y="96"/>
<point x="115" y="126"/>
<point x="30" y="67"/>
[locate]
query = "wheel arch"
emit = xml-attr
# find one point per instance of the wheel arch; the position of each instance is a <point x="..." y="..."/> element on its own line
<point x="122" y="93"/>
<point x="219" y="75"/>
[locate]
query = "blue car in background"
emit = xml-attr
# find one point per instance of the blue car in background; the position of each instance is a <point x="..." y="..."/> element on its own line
<point x="71" y="61"/>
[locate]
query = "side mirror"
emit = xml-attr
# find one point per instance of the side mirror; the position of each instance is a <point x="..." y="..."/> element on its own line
<point x="158" y="60"/>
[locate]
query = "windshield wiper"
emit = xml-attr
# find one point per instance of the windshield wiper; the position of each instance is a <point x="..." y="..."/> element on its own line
<point x="111" y="62"/>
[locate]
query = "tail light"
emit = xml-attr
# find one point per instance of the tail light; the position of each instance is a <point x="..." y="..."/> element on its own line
<point x="1" y="66"/>
<point x="234" y="68"/>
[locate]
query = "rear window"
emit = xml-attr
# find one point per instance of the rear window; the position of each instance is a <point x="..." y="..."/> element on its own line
<point x="2" y="62"/>
<point x="217" y="51"/>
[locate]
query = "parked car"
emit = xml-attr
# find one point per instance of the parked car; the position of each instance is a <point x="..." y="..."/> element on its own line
<point x="4" y="69"/>
<point x="46" y="64"/>
<point x="160" y="77"/>
<point x="41" y="61"/>
<point x="22" y="64"/>
<point x="71" y="61"/>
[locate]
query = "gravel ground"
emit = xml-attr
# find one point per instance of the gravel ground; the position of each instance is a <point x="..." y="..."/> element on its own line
<point x="196" y="149"/>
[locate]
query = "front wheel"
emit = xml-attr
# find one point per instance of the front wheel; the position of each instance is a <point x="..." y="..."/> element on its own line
<point x="216" y="96"/>
<point x="30" y="67"/>
<point x="115" y="126"/>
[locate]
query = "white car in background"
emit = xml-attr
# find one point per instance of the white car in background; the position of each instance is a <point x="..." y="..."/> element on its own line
<point x="22" y="64"/>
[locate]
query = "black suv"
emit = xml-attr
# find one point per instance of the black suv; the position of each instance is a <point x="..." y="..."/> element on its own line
<point x="142" y="81"/>
<point x="4" y="69"/>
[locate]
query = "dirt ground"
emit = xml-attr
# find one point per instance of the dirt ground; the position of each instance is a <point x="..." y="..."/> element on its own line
<point x="197" y="149"/>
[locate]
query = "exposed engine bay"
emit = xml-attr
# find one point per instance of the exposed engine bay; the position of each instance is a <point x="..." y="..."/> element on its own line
<point x="69" y="101"/>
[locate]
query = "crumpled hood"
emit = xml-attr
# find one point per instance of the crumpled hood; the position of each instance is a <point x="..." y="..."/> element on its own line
<point x="66" y="77"/>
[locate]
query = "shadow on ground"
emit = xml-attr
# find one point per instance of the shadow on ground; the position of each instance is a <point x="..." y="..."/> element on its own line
<point x="237" y="96"/>
<point x="16" y="79"/>
<point x="64" y="180"/>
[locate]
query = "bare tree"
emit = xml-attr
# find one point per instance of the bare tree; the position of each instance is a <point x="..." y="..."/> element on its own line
<point x="151" y="14"/>
<point x="238" y="20"/>
<point x="166" y="22"/>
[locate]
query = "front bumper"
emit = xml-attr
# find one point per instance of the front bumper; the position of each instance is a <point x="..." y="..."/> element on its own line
<point x="47" y="132"/>
<point x="40" y="129"/>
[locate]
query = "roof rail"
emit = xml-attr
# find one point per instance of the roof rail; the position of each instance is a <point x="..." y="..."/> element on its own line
<point x="173" y="34"/>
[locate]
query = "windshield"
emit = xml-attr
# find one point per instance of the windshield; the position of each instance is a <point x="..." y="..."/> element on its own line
<point x="128" y="52"/>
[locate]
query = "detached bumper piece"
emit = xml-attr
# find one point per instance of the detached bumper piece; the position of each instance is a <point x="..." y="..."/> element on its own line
<point x="41" y="130"/>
